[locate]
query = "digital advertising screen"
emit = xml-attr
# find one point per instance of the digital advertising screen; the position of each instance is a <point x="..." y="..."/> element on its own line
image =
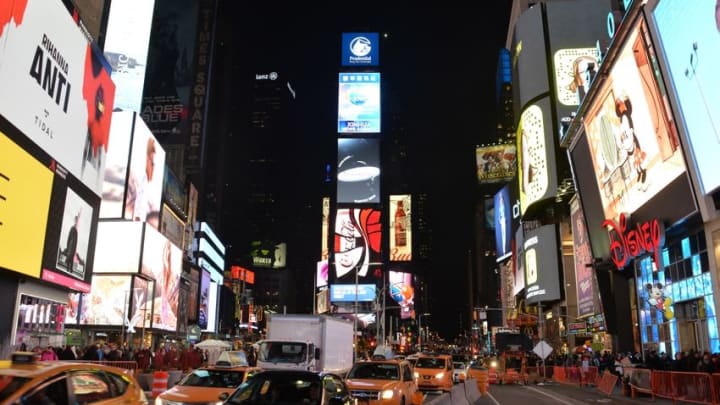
<point x="352" y="292"/>
<point x="536" y="161"/>
<point x="204" y="305"/>
<point x="174" y="193"/>
<point x="529" y="57"/>
<point x="172" y="226"/>
<point x="402" y="292"/>
<point x="359" y="103"/>
<point x="212" y="310"/>
<point x="193" y="294"/>
<point x="145" y="179"/>
<point x="116" y="166"/>
<point x="73" y="247"/>
<point x="24" y="210"/>
<point x="321" y="274"/>
<point x="518" y="262"/>
<point x="400" y="232"/>
<point x="64" y="84"/>
<point x="140" y="304"/>
<point x="117" y="247"/>
<point x="489" y="213"/>
<point x="360" y="49"/>
<point x="583" y="258"/>
<point x="540" y="251"/>
<point x="162" y="262"/>
<point x="633" y="138"/>
<point x="357" y="241"/>
<point x="503" y="223"/>
<point x="127" y="39"/>
<point x="358" y="170"/>
<point x="107" y="302"/>
<point x="689" y="38"/>
<point x="325" y="229"/>
<point x="496" y="163"/>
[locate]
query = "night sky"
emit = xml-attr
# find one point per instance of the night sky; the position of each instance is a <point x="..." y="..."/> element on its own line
<point x="440" y="65"/>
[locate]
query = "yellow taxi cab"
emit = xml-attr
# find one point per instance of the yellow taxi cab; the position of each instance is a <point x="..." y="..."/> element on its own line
<point x="25" y="380"/>
<point x="206" y="385"/>
<point x="434" y="372"/>
<point x="380" y="381"/>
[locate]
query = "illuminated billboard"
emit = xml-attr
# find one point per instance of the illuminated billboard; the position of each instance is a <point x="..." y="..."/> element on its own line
<point x="140" y="304"/>
<point x="529" y="58"/>
<point x="325" y="229"/>
<point x="57" y="89"/>
<point x="689" y="42"/>
<point x="518" y="262"/>
<point x="205" y="305"/>
<point x="358" y="168"/>
<point x="117" y="247"/>
<point x="632" y="136"/>
<point x="503" y="223"/>
<point x="24" y="210"/>
<point x="172" y="226"/>
<point x="127" y="38"/>
<point x="71" y="249"/>
<point x="400" y="232"/>
<point x="321" y="274"/>
<point x="162" y="262"/>
<point x="352" y="292"/>
<point x="540" y="251"/>
<point x="359" y="103"/>
<point x="107" y="302"/>
<point x="360" y="49"/>
<point x="536" y="160"/>
<point x="116" y="167"/>
<point x="145" y="179"/>
<point x="496" y="163"/>
<point x="584" y="272"/>
<point x="402" y="292"/>
<point x="357" y="241"/>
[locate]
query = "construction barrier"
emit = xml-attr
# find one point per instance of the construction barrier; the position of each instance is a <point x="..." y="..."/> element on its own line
<point x="640" y="380"/>
<point x="160" y="383"/>
<point x="692" y="387"/>
<point x="661" y="383"/>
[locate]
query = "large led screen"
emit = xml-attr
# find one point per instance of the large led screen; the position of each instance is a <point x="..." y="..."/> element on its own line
<point x="359" y="103"/>
<point x="400" y="233"/>
<point x="321" y="274"/>
<point x="536" y="161"/>
<point x="689" y="37"/>
<point x="360" y="49"/>
<point x="140" y="304"/>
<point x="358" y="170"/>
<point x="352" y="292"/>
<point x="117" y="249"/>
<point x="172" y="226"/>
<point x="583" y="258"/>
<point x="73" y="247"/>
<point x="145" y="181"/>
<point x="503" y="223"/>
<point x="496" y="163"/>
<point x="325" y="229"/>
<point x="107" y="302"/>
<point x="126" y="46"/>
<point x="518" y="262"/>
<point x="529" y="58"/>
<point x="23" y="209"/>
<point x="162" y="261"/>
<point x="58" y="92"/>
<point x="358" y="237"/>
<point x="402" y="292"/>
<point x="205" y="306"/>
<point x="542" y="274"/>
<point x="115" y="177"/>
<point x="631" y="134"/>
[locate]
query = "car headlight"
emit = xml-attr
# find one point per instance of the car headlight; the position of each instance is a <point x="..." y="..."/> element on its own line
<point x="493" y="364"/>
<point x="439" y="375"/>
<point x="416" y="374"/>
<point x="387" y="394"/>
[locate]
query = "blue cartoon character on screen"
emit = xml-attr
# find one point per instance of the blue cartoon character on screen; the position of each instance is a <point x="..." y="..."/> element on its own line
<point x="657" y="298"/>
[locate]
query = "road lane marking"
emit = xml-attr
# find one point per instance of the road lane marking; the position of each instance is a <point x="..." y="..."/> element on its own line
<point x="493" y="398"/>
<point x="547" y="394"/>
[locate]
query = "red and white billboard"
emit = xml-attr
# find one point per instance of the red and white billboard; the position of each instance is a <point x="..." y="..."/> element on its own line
<point x="57" y="90"/>
<point x="358" y="236"/>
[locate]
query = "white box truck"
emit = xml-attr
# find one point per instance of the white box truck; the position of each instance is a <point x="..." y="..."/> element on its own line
<point x="307" y="342"/>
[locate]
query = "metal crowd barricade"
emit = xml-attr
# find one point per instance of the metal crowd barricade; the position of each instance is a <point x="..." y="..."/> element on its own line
<point x="693" y="387"/>
<point x="641" y="380"/>
<point x="575" y="375"/>
<point x="129" y="365"/>
<point x="715" y="378"/>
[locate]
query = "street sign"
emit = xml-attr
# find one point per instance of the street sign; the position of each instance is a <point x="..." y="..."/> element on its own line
<point x="542" y="349"/>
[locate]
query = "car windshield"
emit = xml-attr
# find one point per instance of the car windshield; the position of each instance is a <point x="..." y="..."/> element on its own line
<point x="430" y="362"/>
<point x="282" y="352"/>
<point x="10" y="384"/>
<point x="213" y="378"/>
<point x="376" y="371"/>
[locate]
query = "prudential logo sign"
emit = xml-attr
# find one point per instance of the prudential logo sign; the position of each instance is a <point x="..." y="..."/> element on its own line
<point x="360" y="49"/>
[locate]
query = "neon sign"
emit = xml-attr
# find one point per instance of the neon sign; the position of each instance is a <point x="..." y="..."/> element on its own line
<point x="628" y="242"/>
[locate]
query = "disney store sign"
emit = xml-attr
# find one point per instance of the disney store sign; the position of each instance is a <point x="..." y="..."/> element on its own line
<point x="630" y="241"/>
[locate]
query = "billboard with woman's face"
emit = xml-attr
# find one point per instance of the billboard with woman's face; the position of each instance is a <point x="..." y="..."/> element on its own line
<point x="162" y="261"/>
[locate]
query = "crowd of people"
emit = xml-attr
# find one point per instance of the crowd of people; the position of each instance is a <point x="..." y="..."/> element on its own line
<point x="688" y="361"/>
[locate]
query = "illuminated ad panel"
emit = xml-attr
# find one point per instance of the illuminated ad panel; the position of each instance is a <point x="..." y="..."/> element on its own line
<point x="325" y="229"/>
<point x="358" y="237"/>
<point x="360" y="49"/>
<point x="140" y="304"/>
<point x="400" y="232"/>
<point x="66" y="91"/>
<point x="358" y="178"/>
<point x="496" y="163"/>
<point x="584" y="272"/>
<point x="116" y="167"/>
<point x="359" y="103"/>
<point x="212" y="307"/>
<point x="536" y="161"/>
<point x="352" y="292"/>
<point x="126" y="47"/>
<point x="205" y="304"/>
<point x="145" y="180"/>
<point x="172" y="226"/>
<point x="162" y="261"/>
<point x="518" y="262"/>
<point x="173" y="191"/>
<point x="503" y="223"/>
<point x="117" y="249"/>
<point x="402" y="292"/>
<point x="107" y="301"/>
<point x="689" y="38"/>
<point x="268" y="254"/>
<point x="542" y="282"/>
<point x="23" y="209"/>
<point x="194" y="278"/>
<point x="529" y="58"/>
<point x="321" y="274"/>
<point x="37" y="315"/>
<point x="632" y="137"/>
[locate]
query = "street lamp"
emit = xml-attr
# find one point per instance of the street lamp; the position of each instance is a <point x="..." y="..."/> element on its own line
<point x="420" y="330"/>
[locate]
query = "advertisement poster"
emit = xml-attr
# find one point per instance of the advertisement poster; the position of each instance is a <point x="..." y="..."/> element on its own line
<point x="359" y="103"/>
<point x="117" y="247"/>
<point x="64" y="85"/>
<point x="574" y="69"/>
<point x="360" y="49"/>
<point x="358" y="237"/>
<point x="75" y="235"/>
<point x="400" y="232"/>
<point x="145" y="181"/>
<point x="162" y="261"/>
<point x="140" y="308"/>
<point x="358" y="170"/>
<point x="204" y="306"/>
<point x="321" y="274"/>
<point x="632" y="136"/>
<point x="503" y="223"/>
<point x="496" y="163"/>
<point x="402" y="292"/>
<point x="107" y="302"/>
<point x="536" y="160"/>
<point x="115" y="177"/>
<point x="542" y="280"/>
<point x="584" y="272"/>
